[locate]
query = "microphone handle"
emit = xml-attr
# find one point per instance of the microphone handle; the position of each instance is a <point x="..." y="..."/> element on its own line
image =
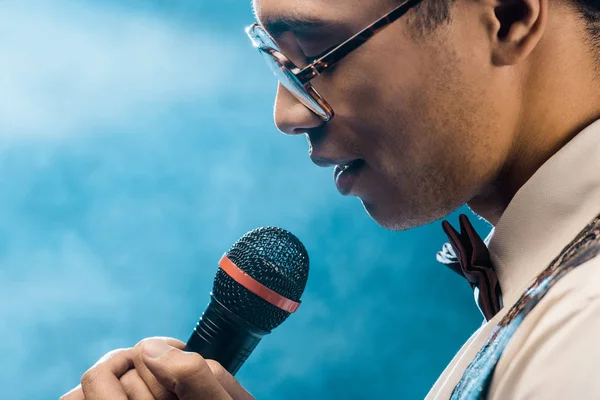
<point x="222" y="336"/>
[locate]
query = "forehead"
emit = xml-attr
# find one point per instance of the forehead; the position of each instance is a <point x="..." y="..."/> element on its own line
<point x="279" y="13"/>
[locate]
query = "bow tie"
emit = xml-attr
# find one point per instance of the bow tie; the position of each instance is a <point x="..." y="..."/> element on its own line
<point x="468" y="256"/>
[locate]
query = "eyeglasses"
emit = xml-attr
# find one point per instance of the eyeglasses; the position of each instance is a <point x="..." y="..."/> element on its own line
<point x="297" y="80"/>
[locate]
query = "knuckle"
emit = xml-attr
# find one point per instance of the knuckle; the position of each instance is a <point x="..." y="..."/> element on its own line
<point x="138" y="349"/>
<point x="140" y="344"/>
<point x="92" y="374"/>
<point x="193" y="366"/>
<point x="110" y="355"/>
<point x="89" y="376"/>
<point x="108" y="358"/>
<point x="217" y="369"/>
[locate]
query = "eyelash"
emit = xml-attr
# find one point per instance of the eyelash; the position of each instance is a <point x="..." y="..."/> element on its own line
<point x="311" y="60"/>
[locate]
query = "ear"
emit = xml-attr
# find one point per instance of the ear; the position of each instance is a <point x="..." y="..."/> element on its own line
<point x="517" y="28"/>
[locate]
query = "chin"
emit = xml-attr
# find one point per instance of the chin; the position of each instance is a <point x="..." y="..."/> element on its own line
<point x="400" y="220"/>
<point x="389" y="219"/>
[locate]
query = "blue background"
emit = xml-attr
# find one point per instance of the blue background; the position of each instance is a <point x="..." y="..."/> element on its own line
<point x="136" y="145"/>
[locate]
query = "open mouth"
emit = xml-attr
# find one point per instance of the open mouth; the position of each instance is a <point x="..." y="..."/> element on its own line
<point x="345" y="175"/>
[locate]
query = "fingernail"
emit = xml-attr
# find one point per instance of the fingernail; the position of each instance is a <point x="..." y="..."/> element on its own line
<point x="156" y="348"/>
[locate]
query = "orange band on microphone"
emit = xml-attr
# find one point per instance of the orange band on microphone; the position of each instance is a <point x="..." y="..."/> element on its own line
<point x="256" y="287"/>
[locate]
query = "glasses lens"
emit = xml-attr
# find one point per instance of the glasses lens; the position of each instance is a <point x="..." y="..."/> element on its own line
<point x="293" y="85"/>
<point x="266" y="47"/>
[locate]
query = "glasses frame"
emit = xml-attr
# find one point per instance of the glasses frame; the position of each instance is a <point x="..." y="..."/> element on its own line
<point x="306" y="74"/>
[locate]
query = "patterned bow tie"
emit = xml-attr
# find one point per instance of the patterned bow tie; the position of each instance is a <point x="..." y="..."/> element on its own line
<point x="468" y="256"/>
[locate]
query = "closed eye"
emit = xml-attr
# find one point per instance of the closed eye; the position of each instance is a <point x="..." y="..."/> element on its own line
<point x="313" y="59"/>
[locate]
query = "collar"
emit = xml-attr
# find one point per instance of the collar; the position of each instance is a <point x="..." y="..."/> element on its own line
<point x="561" y="198"/>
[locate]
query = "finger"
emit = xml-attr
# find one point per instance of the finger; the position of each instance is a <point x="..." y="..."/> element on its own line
<point x="74" y="394"/>
<point x="102" y="380"/>
<point x="134" y="386"/>
<point x="158" y="391"/>
<point x="232" y="386"/>
<point x="185" y="374"/>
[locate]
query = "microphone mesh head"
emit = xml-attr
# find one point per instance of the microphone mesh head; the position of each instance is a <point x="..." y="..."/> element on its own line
<point x="275" y="258"/>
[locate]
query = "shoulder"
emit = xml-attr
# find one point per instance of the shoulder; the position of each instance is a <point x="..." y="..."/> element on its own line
<point x="554" y="352"/>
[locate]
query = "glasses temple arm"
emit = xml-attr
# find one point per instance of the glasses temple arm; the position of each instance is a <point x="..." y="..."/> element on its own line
<point x="335" y="55"/>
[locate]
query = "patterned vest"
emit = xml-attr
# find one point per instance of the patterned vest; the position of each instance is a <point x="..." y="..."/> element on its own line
<point x="475" y="383"/>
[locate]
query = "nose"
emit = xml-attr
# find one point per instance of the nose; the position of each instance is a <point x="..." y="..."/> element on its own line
<point x="291" y="116"/>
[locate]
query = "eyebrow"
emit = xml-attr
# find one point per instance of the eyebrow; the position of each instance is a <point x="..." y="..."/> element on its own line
<point x="278" y="25"/>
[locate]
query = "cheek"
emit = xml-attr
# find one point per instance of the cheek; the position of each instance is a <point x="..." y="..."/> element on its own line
<point x="368" y="83"/>
<point x="431" y="145"/>
<point x="422" y="118"/>
<point x="370" y="101"/>
<point x="375" y="90"/>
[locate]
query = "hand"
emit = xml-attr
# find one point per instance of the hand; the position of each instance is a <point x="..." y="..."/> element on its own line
<point x="158" y="369"/>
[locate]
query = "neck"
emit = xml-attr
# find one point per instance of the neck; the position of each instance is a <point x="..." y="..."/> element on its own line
<point x="493" y="200"/>
<point x="558" y="100"/>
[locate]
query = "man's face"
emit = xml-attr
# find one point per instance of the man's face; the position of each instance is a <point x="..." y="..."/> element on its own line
<point x="427" y="115"/>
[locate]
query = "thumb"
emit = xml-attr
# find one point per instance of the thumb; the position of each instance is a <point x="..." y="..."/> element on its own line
<point x="187" y="375"/>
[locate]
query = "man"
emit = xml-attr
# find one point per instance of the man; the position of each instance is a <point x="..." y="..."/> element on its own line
<point x="494" y="103"/>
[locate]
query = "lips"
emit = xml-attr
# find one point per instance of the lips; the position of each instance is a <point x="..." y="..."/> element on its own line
<point x="345" y="175"/>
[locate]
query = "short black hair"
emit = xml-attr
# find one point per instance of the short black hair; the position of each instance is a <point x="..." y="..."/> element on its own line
<point x="432" y="13"/>
<point x="590" y="12"/>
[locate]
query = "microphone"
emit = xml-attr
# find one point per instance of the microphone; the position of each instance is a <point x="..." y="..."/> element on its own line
<point x="258" y="285"/>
